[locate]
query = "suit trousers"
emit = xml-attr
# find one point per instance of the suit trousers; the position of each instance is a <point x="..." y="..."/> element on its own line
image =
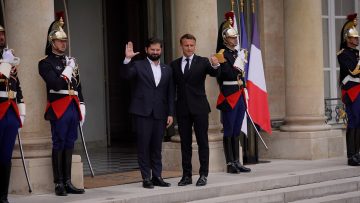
<point x="9" y="126"/>
<point x="201" y="125"/>
<point x="149" y="132"/>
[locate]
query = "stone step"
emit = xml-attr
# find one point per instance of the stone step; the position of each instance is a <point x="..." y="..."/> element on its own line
<point x="349" y="197"/>
<point x="291" y="194"/>
<point x="269" y="188"/>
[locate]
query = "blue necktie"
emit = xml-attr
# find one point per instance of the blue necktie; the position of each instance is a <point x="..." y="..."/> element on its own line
<point x="187" y="66"/>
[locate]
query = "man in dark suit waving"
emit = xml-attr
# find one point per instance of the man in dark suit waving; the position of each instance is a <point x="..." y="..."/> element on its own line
<point x="152" y="105"/>
<point x="192" y="106"/>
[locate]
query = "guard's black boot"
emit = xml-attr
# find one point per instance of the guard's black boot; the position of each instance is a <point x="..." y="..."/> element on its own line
<point x="353" y="161"/>
<point x="352" y="147"/>
<point x="230" y="166"/>
<point x="357" y="144"/>
<point x="5" y="171"/>
<point x="236" y="152"/>
<point x="57" y="164"/>
<point x="67" y="160"/>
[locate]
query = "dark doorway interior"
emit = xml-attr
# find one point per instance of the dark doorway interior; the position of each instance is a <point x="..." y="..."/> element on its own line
<point x="124" y="21"/>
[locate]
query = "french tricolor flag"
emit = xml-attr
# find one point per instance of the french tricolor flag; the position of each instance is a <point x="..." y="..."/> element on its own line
<point x="258" y="98"/>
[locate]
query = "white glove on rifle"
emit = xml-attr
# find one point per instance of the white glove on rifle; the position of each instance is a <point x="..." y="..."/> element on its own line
<point x="83" y="113"/>
<point x="8" y="57"/>
<point x="5" y="69"/>
<point x="69" y="68"/>
<point x="241" y="60"/>
<point x="70" y="61"/>
<point x="22" y="112"/>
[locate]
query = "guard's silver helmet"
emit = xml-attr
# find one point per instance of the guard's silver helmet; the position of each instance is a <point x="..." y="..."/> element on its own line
<point x="57" y="31"/>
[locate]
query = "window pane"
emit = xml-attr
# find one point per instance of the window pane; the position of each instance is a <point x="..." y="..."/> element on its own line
<point x="324" y="5"/>
<point x="327" y="83"/>
<point x="326" y="42"/>
<point x="344" y="7"/>
<point x="338" y="25"/>
<point x="337" y="84"/>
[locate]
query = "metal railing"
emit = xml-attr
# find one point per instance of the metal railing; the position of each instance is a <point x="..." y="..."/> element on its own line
<point x="335" y="111"/>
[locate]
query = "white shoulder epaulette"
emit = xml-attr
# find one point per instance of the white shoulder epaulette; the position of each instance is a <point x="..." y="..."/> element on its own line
<point x="43" y="57"/>
<point x="339" y="52"/>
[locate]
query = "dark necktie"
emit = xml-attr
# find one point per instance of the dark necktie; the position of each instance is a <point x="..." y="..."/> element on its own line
<point x="187" y="66"/>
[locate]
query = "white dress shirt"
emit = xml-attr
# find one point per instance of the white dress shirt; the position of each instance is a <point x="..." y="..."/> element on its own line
<point x="156" y="69"/>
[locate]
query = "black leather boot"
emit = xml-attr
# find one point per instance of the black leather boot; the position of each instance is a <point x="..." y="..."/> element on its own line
<point x="57" y="164"/>
<point x="5" y="171"/>
<point x="230" y="166"/>
<point x="235" y="141"/>
<point x="67" y="160"/>
<point x="352" y="147"/>
<point x="357" y="144"/>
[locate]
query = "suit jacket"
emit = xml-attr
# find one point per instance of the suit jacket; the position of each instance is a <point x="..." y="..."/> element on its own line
<point x="190" y="88"/>
<point x="146" y="97"/>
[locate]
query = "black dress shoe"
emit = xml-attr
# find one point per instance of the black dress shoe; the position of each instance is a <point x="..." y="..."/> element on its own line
<point x="158" y="181"/>
<point x="4" y="201"/>
<point x="353" y="161"/>
<point x="147" y="183"/>
<point x="60" y="189"/>
<point x="241" y="168"/>
<point x="231" y="168"/>
<point x="185" y="180"/>
<point x="70" y="188"/>
<point x="201" y="181"/>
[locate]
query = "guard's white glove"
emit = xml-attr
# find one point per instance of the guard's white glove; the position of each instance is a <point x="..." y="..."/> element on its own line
<point x="358" y="63"/>
<point x="67" y="72"/>
<point x="246" y="94"/>
<point x="22" y="112"/>
<point x="22" y="118"/>
<point x="83" y="113"/>
<point x="69" y="68"/>
<point x="5" y="69"/>
<point x="241" y="60"/>
<point x="8" y="57"/>
<point x="70" y="61"/>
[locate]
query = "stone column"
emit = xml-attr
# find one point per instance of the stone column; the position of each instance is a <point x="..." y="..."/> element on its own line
<point x="27" y="24"/>
<point x="305" y="125"/>
<point x="198" y="18"/>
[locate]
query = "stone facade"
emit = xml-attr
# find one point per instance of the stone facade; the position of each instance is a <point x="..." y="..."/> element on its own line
<point x="293" y="69"/>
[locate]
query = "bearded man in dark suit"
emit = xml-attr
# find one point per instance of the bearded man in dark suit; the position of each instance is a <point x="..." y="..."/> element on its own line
<point x="152" y="106"/>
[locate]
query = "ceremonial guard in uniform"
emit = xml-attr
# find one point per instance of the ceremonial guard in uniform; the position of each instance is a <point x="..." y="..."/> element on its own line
<point x="65" y="105"/>
<point x="231" y="98"/>
<point x="348" y="58"/>
<point x="12" y="112"/>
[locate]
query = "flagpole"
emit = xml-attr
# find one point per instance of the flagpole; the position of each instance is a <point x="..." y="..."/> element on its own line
<point x="242" y="6"/>
<point x="239" y="22"/>
<point x="253" y="6"/>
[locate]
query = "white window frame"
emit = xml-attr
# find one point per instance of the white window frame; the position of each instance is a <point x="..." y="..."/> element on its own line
<point x="333" y="47"/>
